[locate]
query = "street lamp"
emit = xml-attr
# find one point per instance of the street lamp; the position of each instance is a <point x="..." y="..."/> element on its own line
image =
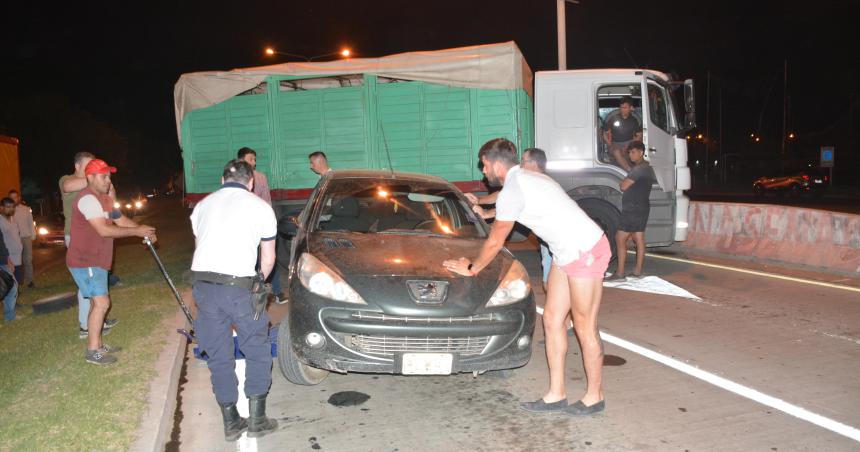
<point x="346" y="53"/>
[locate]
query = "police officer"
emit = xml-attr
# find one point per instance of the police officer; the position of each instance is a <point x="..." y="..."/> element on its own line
<point x="229" y="225"/>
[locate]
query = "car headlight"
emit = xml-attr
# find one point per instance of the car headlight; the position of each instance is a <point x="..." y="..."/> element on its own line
<point x="138" y="204"/>
<point x="43" y="230"/>
<point x="514" y="286"/>
<point x="116" y="205"/>
<point x="321" y="280"/>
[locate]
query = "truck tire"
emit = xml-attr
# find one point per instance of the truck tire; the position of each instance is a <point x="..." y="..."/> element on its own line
<point x="606" y="216"/>
<point x="295" y="371"/>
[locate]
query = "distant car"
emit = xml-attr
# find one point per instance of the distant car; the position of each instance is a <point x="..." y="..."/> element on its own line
<point x="131" y="206"/>
<point x="368" y="292"/>
<point x="811" y="182"/>
<point x="50" y="229"/>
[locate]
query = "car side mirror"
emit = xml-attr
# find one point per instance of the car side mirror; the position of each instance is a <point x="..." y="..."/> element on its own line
<point x="689" y="105"/>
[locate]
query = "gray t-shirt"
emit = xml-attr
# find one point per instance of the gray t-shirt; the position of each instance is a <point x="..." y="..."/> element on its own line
<point x="623" y="129"/>
<point x="636" y="196"/>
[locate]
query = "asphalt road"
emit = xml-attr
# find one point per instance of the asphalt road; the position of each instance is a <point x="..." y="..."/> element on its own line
<point x="795" y="345"/>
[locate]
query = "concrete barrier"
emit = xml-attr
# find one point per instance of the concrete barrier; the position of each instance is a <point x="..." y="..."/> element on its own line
<point x="789" y="234"/>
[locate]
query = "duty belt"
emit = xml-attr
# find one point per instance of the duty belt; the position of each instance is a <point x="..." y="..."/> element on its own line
<point x="245" y="282"/>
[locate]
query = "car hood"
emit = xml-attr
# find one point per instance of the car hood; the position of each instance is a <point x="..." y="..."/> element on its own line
<point x="382" y="267"/>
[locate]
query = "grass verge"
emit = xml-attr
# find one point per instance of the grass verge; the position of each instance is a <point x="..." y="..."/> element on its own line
<point x="51" y="398"/>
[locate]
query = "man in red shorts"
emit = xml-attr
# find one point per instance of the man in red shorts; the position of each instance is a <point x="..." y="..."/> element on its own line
<point x="580" y="256"/>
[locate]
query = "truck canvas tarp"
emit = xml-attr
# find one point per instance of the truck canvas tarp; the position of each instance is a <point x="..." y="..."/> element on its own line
<point x="10" y="177"/>
<point x="425" y="112"/>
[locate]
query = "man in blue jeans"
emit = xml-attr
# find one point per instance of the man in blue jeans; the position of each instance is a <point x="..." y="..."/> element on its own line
<point x="12" y="295"/>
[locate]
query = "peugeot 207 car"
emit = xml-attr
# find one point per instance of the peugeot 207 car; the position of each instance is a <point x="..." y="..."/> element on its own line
<point x="368" y="292"/>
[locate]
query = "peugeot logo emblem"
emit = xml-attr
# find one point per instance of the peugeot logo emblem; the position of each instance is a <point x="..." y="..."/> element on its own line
<point x="428" y="292"/>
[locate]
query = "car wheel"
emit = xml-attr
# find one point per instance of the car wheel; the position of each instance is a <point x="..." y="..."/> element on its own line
<point x="294" y="370"/>
<point x="606" y="216"/>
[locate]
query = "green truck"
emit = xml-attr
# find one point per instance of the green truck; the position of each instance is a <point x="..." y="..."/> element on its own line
<point x="430" y="112"/>
<point x="374" y="116"/>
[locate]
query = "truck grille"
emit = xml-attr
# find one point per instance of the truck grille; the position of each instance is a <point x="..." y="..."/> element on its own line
<point x="387" y="346"/>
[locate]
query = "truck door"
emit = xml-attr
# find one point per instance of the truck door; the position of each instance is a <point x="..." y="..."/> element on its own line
<point x="660" y="153"/>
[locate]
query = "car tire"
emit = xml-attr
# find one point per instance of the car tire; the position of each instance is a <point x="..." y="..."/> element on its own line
<point x="295" y="371"/>
<point x="606" y="216"/>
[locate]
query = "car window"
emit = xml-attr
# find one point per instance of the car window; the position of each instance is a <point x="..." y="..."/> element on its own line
<point x="388" y="206"/>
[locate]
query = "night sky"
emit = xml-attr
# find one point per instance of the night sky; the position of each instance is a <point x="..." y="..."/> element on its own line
<point x="111" y="67"/>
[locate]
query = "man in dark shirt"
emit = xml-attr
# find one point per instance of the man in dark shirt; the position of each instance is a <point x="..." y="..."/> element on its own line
<point x="619" y="129"/>
<point x="635" y="208"/>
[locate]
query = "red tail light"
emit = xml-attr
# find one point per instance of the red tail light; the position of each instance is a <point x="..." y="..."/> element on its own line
<point x="826" y="178"/>
<point x="805" y="177"/>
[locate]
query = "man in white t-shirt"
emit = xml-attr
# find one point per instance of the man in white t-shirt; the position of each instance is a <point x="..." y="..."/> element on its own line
<point x="229" y="225"/>
<point x="581" y="255"/>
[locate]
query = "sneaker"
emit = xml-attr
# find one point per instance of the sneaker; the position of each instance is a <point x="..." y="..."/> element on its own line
<point x="105" y="348"/>
<point x="110" y="323"/>
<point x="99" y="358"/>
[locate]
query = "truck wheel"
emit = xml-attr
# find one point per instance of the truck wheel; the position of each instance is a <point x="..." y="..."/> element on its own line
<point x="606" y="216"/>
<point x="295" y="371"/>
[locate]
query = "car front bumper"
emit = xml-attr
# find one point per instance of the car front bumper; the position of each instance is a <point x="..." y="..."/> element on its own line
<point x="358" y="338"/>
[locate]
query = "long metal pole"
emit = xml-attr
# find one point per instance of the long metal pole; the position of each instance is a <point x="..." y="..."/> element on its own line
<point x="784" y="119"/>
<point x="562" y="35"/>
<point x="707" y="126"/>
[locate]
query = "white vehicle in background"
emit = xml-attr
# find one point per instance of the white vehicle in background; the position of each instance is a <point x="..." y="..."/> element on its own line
<point x="570" y="108"/>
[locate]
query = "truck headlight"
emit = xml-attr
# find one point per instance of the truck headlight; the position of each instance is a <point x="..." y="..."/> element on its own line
<point x="321" y="280"/>
<point x="514" y="286"/>
<point x="43" y="230"/>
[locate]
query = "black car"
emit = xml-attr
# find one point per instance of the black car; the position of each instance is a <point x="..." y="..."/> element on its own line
<point x="368" y="292"/>
<point x="802" y="182"/>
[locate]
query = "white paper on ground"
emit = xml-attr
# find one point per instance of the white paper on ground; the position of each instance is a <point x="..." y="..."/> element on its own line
<point x="651" y="284"/>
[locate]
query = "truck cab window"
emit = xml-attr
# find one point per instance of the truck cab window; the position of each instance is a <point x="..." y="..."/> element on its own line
<point x="619" y="111"/>
<point x="657" y="110"/>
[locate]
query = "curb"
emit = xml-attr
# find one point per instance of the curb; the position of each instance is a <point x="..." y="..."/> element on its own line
<point x="156" y="423"/>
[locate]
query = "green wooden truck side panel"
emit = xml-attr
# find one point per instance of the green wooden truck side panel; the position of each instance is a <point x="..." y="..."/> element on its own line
<point x="418" y="127"/>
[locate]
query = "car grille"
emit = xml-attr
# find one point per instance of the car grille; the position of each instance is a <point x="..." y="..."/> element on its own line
<point x="389" y="345"/>
<point x="378" y="316"/>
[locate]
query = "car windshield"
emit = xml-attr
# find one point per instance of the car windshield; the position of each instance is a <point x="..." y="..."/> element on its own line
<point x="386" y="206"/>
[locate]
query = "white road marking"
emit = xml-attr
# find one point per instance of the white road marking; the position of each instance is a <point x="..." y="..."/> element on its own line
<point x="741" y="390"/>
<point x="757" y="273"/>
<point x="728" y="385"/>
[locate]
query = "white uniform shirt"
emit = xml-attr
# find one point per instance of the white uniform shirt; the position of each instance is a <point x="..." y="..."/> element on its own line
<point x="229" y="225"/>
<point x="538" y="202"/>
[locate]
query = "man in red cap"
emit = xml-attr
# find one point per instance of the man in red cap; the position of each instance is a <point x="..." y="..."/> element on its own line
<point x="94" y="225"/>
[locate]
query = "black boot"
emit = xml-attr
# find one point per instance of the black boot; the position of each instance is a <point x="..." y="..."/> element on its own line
<point x="234" y="424"/>
<point x="258" y="423"/>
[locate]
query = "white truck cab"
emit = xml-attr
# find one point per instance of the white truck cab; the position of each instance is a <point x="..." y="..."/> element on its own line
<point x="570" y="110"/>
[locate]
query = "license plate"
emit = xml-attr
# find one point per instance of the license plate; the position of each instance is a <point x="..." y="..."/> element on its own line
<point x="427" y="363"/>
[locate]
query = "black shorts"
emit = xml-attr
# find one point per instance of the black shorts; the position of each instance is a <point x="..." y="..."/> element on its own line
<point x="634" y="220"/>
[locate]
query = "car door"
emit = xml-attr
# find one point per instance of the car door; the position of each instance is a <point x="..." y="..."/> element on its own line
<point x="658" y="137"/>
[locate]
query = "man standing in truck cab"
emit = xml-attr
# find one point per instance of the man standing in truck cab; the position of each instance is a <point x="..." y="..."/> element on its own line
<point x="619" y="129"/>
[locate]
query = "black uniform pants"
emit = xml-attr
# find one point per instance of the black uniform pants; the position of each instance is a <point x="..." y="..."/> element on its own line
<point x="219" y="307"/>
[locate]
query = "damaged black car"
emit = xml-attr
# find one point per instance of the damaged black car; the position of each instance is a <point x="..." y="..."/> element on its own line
<point x="368" y="292"/>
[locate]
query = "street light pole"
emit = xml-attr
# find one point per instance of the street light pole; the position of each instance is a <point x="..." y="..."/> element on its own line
<point x="562" y="32"/>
